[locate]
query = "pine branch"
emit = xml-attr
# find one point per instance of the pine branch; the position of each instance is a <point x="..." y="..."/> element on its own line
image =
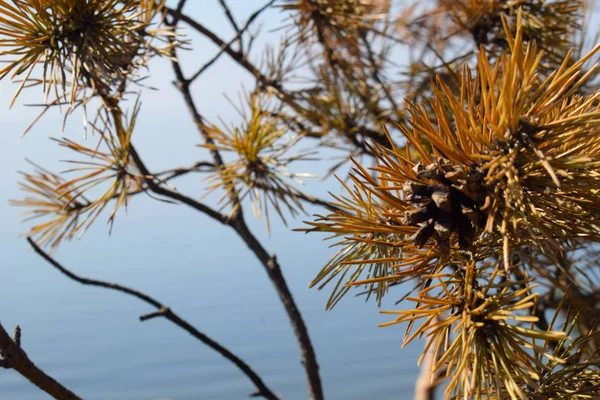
<point x="166" y="312"/>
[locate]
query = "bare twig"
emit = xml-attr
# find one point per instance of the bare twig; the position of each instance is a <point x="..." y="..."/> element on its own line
<point x="167" y="313"/>
<point x="232" y="20"/>
<point x="242" y="59"/>
<point x="304" y="197"/>
<point x="239" y="35"/>
<point x="14" y="357"/>
<point x="237" y="56"/>
<point x="158" y="189"/>
<point x="17" y="337"/>
<point x="237" y="222"/>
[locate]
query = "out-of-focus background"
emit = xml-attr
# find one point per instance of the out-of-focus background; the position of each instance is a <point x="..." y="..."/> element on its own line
<point x="91" y="339"/>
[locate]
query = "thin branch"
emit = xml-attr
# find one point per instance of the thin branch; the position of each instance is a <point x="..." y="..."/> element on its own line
<point x="165" y="177"/>
<point x="237" y="222"/>
<point x="159" y="313"/>
<point x="223" y="47"/>
<point x="180" y="5"/>
<point x="184" y="86"/>
<point x="242" y="59"/>
<point x="377" y="76"/>
<point x="158" y="189"/>
<point x="180" y="171"/>
<point x="167" y="313"/>
<point x="234" y="24"/>
<point x="237" y="56"/>
<point x="272" y="267"/>
<point x="210" y="62"/>
<point x="14" y="357"/>
<point x="301" y="196"/>
<point x="17" y="337"/>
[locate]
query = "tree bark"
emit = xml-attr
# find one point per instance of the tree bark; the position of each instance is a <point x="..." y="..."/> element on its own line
<point x="14" y="357"/>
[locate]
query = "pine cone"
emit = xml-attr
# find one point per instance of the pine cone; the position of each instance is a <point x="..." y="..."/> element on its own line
<point x="452" y="205"/>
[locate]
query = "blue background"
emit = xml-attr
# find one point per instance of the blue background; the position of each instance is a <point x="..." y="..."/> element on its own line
<point x="91" y="339"/>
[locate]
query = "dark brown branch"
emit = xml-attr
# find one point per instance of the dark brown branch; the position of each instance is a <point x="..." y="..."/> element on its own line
<point x="183" y="84"/>
<point x="377" y="76"/>
<point x="271" y="266"/>
<point x="165" y="177"/>
<point x="301" y="196"/>
<point x="237" y="222"/>
<point x="167" y="313"/>
<point x="237" y="56"/>
<point x="169" y="174"/>
<point x="14" y="357"/>
<point x="180" y="5"/>
<point x="158" y="189"/>
<point x="273" y="269"/>
<point x="210" y="62"/>
<point x="240" y="33"/>
<point x="232" y="20"/>
<point x="159" y="313"/>
<point x="242" y="59"/>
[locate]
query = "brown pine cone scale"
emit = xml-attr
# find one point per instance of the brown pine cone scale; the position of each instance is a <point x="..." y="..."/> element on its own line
<point x="451" y="206"/>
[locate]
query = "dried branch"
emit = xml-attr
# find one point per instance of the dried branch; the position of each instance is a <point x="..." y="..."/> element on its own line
<point x="170" y="174"/>
<point x="238" y="36"/>
<point x="235" y="221"/>
<point x="14" y="357"/>
<point x="198" y="166"/>
<point x="242" y="59"/>
<point x="237" y="56"/>
<point x="160" y="190"/>
<point x="166" y="312"/>
<point x="272" y="268"/>
<point x="232" y="20"/>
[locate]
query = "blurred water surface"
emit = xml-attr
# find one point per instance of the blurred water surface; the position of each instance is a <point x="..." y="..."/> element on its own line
<point x="91" y="339"/>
